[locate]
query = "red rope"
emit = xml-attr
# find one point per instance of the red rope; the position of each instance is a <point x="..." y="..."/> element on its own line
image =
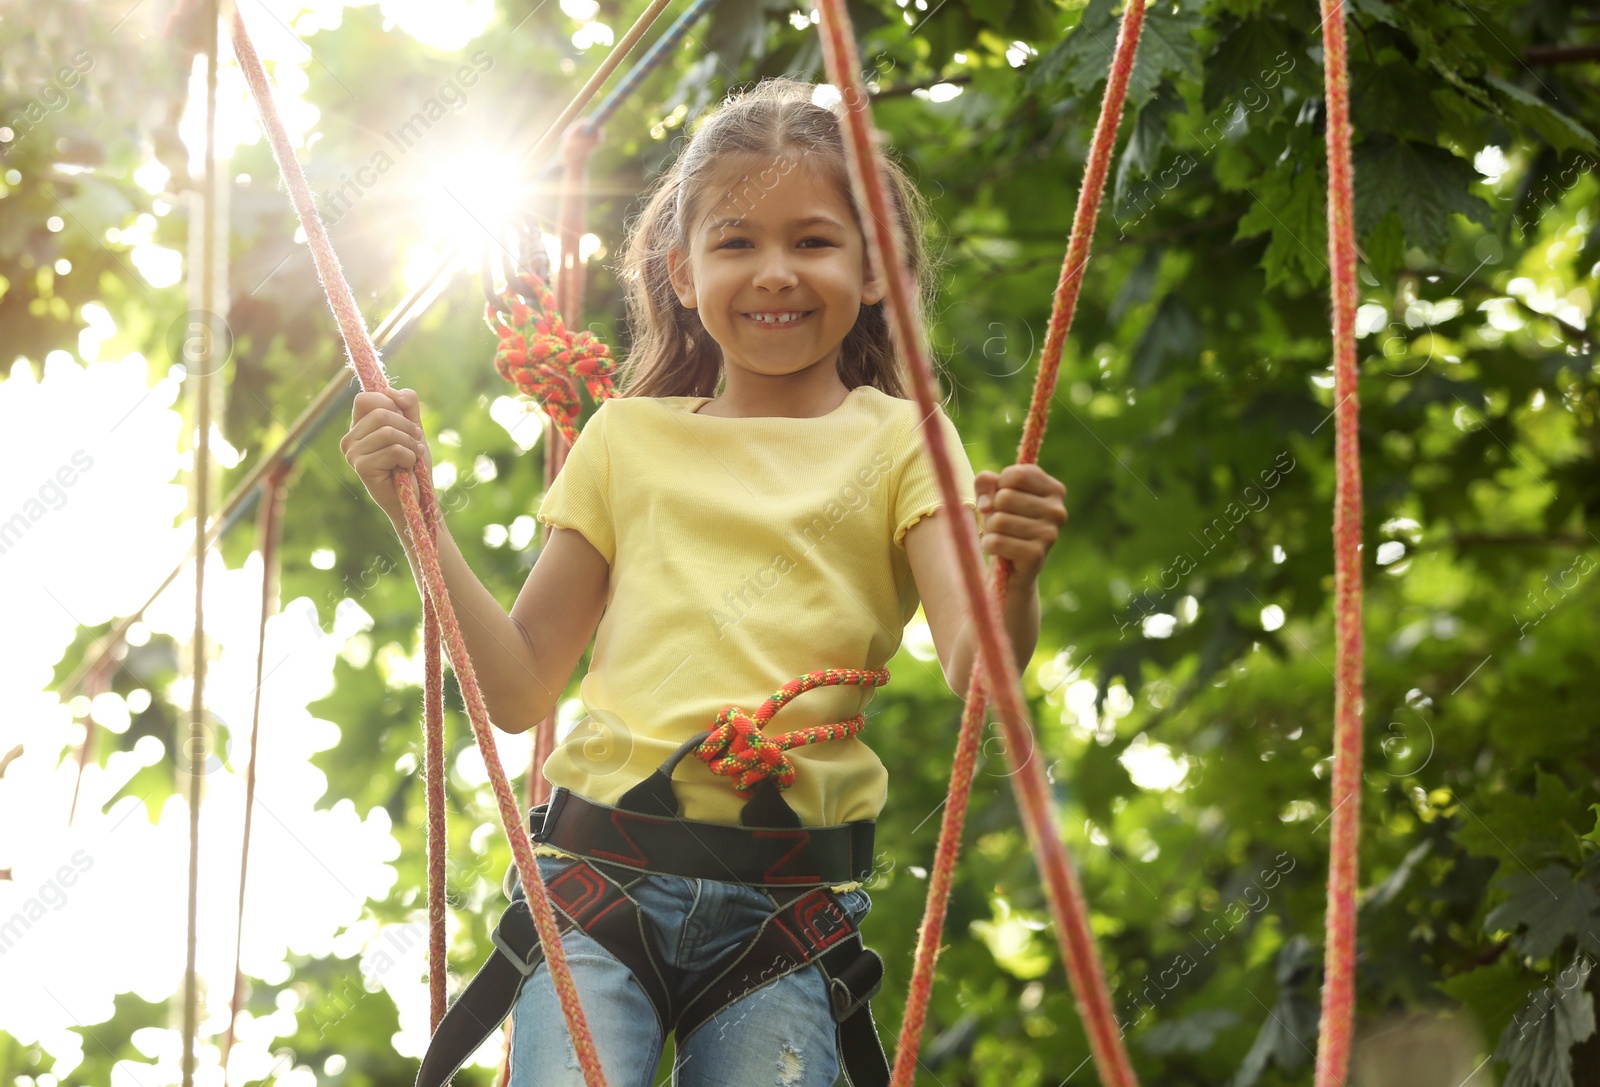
<point x="1028" y="780"/>
<point x="738" y="749"/>
<point x="1338" y="987"/>
<point x="1064" y="307"/>
<point x="268" y="527"/>
<point x="421" y="510"/>
<point x="545" y="359"/>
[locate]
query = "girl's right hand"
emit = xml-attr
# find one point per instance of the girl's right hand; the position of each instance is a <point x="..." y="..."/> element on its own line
<point x="385" y="434"/>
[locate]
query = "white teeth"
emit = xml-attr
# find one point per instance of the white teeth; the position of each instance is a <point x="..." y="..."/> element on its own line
<point x="775" y="319"/>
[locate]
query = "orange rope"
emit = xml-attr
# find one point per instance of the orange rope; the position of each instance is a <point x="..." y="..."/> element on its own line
<point x="1028" y="779"/>
<point x="268" y="526"/>
<point x="1338" y="987"/>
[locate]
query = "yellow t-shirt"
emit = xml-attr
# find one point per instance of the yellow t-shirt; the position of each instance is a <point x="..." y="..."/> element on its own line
<point x="744" y="553"/>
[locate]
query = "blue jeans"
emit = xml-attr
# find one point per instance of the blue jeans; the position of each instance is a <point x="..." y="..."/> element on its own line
<point x="782" y="1034"/>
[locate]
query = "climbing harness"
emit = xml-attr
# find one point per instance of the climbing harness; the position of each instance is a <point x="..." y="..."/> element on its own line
<point x="614" y="848"/>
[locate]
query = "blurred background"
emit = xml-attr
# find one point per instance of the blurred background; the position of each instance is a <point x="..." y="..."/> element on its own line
<point x="1182" y="686"/>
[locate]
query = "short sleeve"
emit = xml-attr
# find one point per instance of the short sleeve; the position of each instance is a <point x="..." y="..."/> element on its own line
<point x="579" y="497"/>
<point x="917" y="487"/>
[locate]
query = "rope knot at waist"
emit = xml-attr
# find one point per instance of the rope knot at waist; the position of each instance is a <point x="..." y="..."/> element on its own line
<point x="737" y="747"/>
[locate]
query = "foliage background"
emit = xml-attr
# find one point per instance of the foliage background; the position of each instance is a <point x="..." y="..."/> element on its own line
<point x="1181" y="687"/>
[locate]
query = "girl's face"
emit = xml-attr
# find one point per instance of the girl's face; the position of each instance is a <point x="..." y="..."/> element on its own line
<point x="776" y="268"/>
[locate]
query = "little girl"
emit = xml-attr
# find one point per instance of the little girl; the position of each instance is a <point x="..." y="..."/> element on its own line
<point x="755" y="505"/>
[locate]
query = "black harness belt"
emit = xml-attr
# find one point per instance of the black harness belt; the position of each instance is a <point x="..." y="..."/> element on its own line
<point x="617" y="847"/>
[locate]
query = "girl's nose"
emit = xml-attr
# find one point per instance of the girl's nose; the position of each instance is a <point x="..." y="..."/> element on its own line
<point x="775" y="273"/>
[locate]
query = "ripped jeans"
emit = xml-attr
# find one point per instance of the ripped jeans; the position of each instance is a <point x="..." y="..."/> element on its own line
<point x="782" y="1034"/>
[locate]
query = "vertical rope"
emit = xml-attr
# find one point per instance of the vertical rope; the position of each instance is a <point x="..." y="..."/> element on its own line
<point x="420" y="506"/>
<point x="1338" y="987"/>
<point x="433" y="772"/>
<point x="1027" y="779"/>
<point x="1064" y="307"/>
<point x="269" y="522"/>
<point x="202" y="484"/>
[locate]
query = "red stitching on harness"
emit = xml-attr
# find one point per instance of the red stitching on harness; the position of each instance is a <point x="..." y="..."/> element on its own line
<point x="592" y="896"/>
<point x="806" y="912"/>
<point x="590" y="890"/>
<point x="639" y="859"/>
<point x="802" y="839"/>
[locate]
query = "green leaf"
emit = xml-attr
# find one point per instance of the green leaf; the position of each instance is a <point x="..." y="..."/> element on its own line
<point x="1562" y="131"/>
<point x="1082" y="60"/>
<point x="1149" y="138"/>
<point x="1551" y="905"/>
<point x="1290" y="1028"/>
<point x="1490" y="993"/>
<point x="1514" y="827"/>
<point x="1173" y="333"/>
<point x="1255" y="55"/>
<point x="1291" y="205"/>
<point x="1394" y="79"/>
<point x="1537" y="1044"/>
<point x="1423" y="183"/>
<point x="1191" y="1034"/>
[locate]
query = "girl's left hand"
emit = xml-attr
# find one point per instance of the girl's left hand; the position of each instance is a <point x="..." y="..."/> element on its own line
<point x="1023" y="510"/>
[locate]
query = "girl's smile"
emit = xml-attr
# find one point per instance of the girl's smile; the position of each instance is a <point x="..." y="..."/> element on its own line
<point x="779" y="318"/>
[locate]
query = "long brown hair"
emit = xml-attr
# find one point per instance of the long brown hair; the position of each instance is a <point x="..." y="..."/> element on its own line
<point x="673" y="354"/>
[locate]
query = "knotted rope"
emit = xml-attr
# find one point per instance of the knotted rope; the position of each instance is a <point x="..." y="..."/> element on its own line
<point x="1070" y="912"/>
<point x="737" y="748"/>
<point x="1338" y="986"/>
<point x="544" y="358"/>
